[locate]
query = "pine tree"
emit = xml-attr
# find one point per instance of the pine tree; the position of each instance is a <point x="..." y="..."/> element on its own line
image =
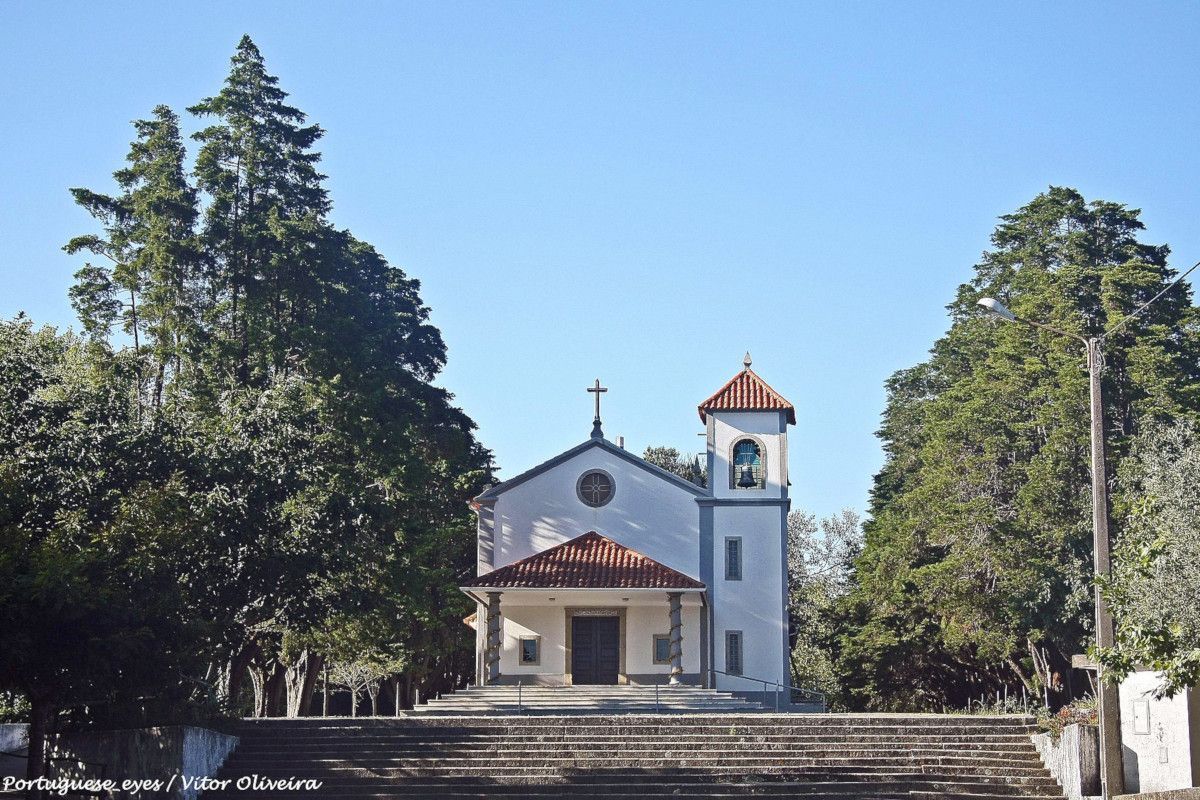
<point x="149" y="244"/>
<point x="267" y="205"/>
<point x="977" y="566"/>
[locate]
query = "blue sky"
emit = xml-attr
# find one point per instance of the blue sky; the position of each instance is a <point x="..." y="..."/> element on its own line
<point x="642" y="191"/>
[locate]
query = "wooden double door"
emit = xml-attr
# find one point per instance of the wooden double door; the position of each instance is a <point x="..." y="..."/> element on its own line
<point x="595" y="650"/>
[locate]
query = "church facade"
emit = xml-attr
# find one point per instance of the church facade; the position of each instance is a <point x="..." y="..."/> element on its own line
<point x="597" y="567"/>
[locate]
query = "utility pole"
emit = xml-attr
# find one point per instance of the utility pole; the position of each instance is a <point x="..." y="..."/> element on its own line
<point x="1108" y="700"/>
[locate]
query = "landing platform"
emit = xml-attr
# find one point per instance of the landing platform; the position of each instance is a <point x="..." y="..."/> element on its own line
<point x="567" y="700"/>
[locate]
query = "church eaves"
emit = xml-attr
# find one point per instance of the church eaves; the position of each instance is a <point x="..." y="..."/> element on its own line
<point x="500" y="488"/>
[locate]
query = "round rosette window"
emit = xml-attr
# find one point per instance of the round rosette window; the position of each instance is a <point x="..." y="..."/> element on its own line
<point x="595" y="487"/>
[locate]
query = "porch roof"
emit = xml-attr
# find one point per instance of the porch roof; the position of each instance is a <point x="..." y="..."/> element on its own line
<point x="590" y="561"/>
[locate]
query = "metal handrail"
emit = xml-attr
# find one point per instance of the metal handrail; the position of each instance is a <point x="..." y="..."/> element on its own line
<point x="820" y="696"/>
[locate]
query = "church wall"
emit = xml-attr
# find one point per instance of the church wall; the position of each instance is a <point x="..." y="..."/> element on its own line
<point x="647" y="513"/>
<point x="646" y="621"/>
<point x="755" y="604"/>
<point x="769" y="429"/>
<point x="642" y="622"/>
<point x="543" y="621"/>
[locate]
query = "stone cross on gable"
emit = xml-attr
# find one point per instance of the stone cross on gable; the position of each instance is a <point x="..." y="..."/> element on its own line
<point x="597" y="432"/>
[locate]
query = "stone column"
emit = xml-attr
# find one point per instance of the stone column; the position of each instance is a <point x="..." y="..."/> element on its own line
<point x="676" y="648"/>
<point x="491" y="658"/>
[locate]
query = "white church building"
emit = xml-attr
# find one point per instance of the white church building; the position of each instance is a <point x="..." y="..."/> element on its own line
<point x="597" y="567"/>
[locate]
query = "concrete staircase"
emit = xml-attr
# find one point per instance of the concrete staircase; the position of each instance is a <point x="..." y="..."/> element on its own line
<point x="708" y="756"/>
<point x="665" y="699"/>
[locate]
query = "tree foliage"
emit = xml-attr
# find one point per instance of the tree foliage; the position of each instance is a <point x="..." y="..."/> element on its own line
<point x="672" y="461"/>
<point x="246" y="453"/>
<point x="976" y="570"/>
<point x="821" y="559"/>
<point x="1154" y="590"/>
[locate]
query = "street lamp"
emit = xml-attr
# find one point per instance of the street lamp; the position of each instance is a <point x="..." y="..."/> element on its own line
<point x="1108" y="700"/>
<point x="1112" y="780"/>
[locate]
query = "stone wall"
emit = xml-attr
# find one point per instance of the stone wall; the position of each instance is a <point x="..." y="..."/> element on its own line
<point x="14" y="738"/>
<point x="1074" y="759"/>
<point x="143" y="754"/>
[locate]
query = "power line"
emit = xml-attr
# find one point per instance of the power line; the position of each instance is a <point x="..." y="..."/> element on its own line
<point x="1146" y="304"/>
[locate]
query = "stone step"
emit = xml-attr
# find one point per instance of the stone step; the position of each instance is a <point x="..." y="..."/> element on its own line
<point x="704" y="756"/>
<point x="510" y="756"/>
<point x="623" y="789"/>
<point x="625" y="724"/>
<point x="592" y="734"/>
<point x="518" y="748"/>
<point x="767" y="721"/>
<point x="350" y="776"/>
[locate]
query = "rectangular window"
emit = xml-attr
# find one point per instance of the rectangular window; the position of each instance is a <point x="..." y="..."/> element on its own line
<point x="662" y="648"/>
<point x="531" y="651"/>
<point x="733" y="558"/>
<point x="733" y="652"/>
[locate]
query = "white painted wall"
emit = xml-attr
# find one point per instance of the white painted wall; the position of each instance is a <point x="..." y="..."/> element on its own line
<point x="643" y="622"/>
<point x="726" y="428"/>
<point x="645" y="615"/>
<point x="755" y="604"/>
<point x="544" y="621"/>
<point x="1168" y="757"/>
<point x="647" y="513"/>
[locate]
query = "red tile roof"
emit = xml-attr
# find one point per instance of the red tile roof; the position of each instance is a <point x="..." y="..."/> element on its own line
<point x="590" y="561"/>
<point x="747" y="392"/>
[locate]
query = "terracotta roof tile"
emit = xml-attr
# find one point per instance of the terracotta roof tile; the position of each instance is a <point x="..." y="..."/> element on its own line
<point x="747" y="392"/>
<point x="590" y="561"/>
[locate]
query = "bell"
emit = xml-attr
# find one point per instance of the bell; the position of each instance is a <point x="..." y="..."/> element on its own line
<point x="747" y="481"/>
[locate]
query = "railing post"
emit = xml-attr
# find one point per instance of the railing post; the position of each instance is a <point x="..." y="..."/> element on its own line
<point x="656" y="708"/>
<point x="520" y="697"/>
<point x="776" y="696"/>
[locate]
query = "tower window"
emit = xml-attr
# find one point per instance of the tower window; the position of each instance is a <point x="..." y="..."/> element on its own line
<point x="733" y="558"/>
<point x="733" y="652"/>
<point x="747" y="468"/>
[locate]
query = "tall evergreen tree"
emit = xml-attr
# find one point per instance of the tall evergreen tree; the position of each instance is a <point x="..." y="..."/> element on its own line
<point x="150" y="275"/>
<point x="298" y="364"/>
<point x="266" y="207"/>
<point x="977" y="565"/>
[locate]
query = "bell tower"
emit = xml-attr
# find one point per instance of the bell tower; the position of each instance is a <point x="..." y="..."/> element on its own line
<point x="743" y="531"/>
<point x="746" y="423"/>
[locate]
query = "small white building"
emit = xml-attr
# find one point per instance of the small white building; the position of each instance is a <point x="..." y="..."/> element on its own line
<point x="1160" y="736"/>
<point x="597" y="567"/>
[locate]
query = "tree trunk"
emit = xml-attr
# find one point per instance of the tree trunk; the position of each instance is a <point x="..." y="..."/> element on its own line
<point x="276" y="691"/>
<point x="300" y="679"/>
<point x="41" y="713"/>
<point x="233" y="673"/>
<point x="258" y="680"/>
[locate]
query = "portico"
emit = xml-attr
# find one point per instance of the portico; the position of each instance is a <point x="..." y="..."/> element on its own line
<point x="559" y="632"/>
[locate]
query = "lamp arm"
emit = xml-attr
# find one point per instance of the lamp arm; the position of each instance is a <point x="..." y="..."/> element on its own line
<point x="1051" y="328"/>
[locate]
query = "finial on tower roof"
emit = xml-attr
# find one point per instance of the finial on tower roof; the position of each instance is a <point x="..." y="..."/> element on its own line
<point x="746" y="361"/>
